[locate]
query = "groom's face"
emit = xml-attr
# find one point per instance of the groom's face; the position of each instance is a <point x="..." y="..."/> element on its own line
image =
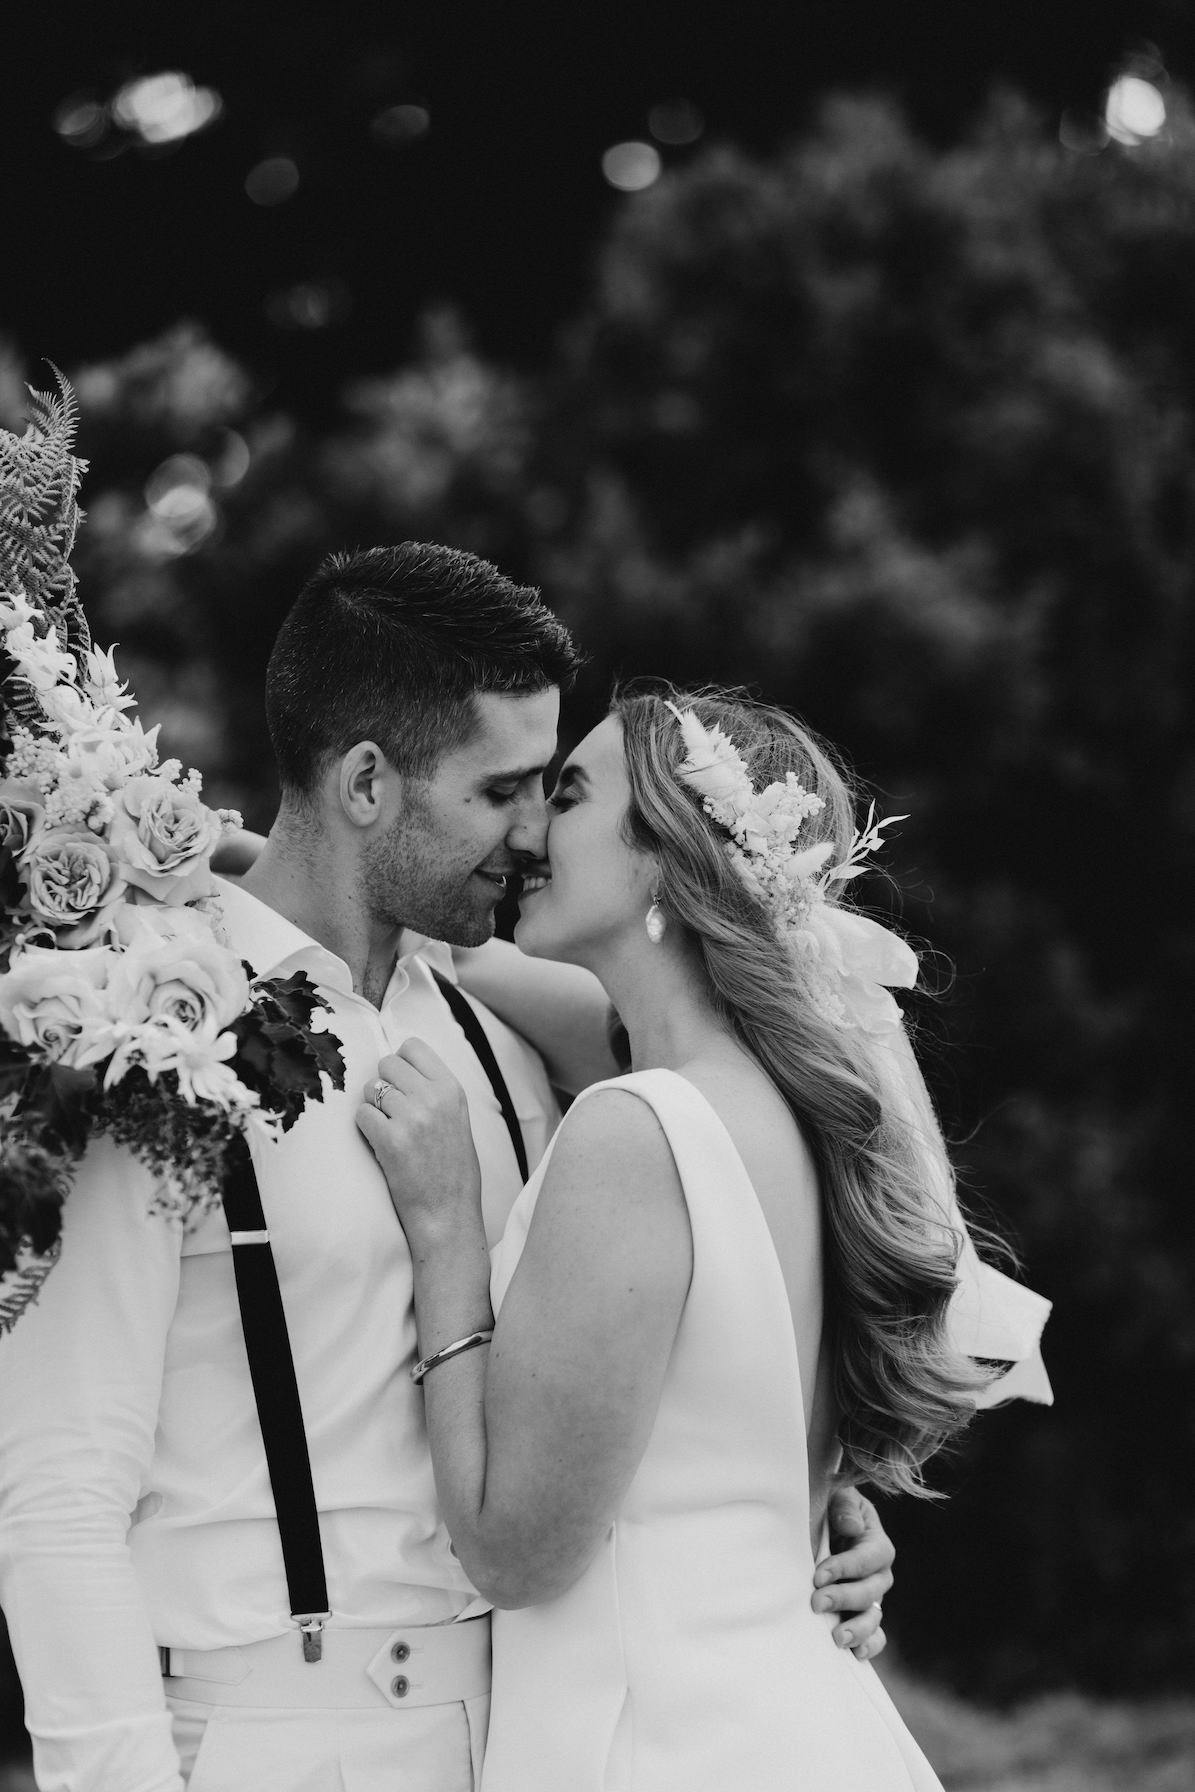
<point x="443" y="864"/>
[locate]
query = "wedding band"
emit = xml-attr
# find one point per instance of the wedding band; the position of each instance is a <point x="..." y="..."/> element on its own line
<point x="379" y="1094"/>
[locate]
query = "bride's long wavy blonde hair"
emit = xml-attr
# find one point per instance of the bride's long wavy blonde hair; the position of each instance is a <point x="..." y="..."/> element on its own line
<point x="890" y="1246"/>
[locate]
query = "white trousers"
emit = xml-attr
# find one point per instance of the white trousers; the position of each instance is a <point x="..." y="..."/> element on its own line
<point x="433" y="1748"/>
<point x="380" y="1711"/>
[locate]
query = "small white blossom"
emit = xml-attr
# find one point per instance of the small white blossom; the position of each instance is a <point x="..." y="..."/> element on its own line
<point x="103" y="683"/>
<point x="42" y="662"/>
<point x="68" y="708"/>
<point x="15" y="609"/>
<point x="198" y="1059"/>
<point x="112" y="754"/>
<point x="845" y="961"/>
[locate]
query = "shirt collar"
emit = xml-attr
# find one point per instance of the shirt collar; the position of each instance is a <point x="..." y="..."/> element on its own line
<point x="275" y="947"/>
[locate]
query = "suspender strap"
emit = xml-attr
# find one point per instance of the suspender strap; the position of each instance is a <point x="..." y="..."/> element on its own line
<point x="272" y="1370"/>
<point x="466" y="1018"/>
<point x="271" y="1364"/>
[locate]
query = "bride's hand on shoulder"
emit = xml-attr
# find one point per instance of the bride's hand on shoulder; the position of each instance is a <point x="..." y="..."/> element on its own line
<point x="416" y="1120"/>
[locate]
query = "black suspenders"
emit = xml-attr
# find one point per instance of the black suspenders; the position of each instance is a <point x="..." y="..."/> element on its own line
<point x="272" y="1371"/>
<point x="271" y="1363"/>
<point x="465" y="1015"/>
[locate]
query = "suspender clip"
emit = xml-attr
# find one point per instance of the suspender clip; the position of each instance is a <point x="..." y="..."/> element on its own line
<point x="312" y="1626"/>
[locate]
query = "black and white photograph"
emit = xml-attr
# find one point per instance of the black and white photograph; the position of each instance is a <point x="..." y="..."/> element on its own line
<point x="597" y="897"/>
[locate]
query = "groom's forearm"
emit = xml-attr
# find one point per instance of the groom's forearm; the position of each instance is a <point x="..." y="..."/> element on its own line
<point x="84" y="1650"/>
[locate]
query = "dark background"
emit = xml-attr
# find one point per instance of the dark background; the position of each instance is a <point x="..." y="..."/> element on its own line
<point x="881" y="399"/>
<point x="498" y="206"/>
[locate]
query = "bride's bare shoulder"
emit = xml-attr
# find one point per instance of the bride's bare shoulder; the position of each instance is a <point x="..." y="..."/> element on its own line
<point x="615" y="1122"/>
<point x="612" y="1190"/>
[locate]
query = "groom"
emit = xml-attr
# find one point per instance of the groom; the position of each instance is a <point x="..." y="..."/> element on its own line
<point x="412" y="698"/>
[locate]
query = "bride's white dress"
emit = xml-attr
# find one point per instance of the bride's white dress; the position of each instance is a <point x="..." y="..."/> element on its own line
<point x="687" y="1658"/>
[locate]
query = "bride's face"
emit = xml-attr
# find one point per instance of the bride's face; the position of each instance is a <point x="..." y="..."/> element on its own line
<point x="597" y="887"/>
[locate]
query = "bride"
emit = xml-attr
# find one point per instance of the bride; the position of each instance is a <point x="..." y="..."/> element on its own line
<point x="724" y="1289"/>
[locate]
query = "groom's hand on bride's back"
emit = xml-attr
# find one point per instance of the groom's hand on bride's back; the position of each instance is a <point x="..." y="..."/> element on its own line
<point x="854" y="1578"/>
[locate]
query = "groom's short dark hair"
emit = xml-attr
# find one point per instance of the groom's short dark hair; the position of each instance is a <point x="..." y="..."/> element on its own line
<point x="390" y="645"/>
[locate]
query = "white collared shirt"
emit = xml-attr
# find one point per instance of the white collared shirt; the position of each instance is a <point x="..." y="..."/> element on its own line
<point x="125" y="1394"/>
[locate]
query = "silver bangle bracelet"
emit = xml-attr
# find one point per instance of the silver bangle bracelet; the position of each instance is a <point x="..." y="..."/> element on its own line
<point x="454" y="1349"/>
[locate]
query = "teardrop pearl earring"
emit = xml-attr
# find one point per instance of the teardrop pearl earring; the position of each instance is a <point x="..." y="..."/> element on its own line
<point x="655" y="922"/>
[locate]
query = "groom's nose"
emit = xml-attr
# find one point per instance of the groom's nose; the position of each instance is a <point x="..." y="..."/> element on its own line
<point x="527" y="835"/>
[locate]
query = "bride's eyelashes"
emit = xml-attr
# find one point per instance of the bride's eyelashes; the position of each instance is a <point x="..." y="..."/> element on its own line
<point x="561" y="803"/>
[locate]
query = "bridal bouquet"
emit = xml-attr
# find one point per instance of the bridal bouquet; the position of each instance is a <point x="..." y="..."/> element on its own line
<point x="121" y="1010"/>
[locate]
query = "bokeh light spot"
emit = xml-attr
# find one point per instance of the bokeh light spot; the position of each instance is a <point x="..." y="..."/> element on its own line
<point x="631" y="166"/>
<point x="272" y="181"/>
<point x="309" y="305"/>
<point x="81" y="120"/>
<point x="1134" y="110"/>
<point x="181" y="512"/>
<point x="234" y="458"/>
<point x="401" y="124"/>
<point x="675" y="122"/>
<point x="1082" y="133"/>
<point x="165" y="108"/>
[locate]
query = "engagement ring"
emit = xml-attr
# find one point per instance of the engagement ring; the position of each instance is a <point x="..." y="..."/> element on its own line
<point x="379" y="1094"/>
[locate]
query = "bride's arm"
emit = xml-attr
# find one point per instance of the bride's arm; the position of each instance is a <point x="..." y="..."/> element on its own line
<point x="533" y="1451"/>
<point x="236" y="852"/>
<point x="533" y="1458"/>
<point x="562" y="1009"/>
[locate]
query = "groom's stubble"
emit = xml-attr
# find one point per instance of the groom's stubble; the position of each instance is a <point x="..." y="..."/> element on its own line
<point x="410" y="877"/>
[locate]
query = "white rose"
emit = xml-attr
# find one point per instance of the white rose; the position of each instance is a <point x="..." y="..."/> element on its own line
<point x="22" y="812"/>
<point x="71" y="883"/>
<point x="52" y="1002"/>
<point x="164" y="838"/>
<point x="189" y="979"/>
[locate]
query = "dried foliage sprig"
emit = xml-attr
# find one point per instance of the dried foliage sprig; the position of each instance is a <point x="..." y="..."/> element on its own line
<point x="122" y="1012"/>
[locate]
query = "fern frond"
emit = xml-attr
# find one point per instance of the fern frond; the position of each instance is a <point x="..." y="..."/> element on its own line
<point x="22" y="1285"/>
<point x="40" y="475"/>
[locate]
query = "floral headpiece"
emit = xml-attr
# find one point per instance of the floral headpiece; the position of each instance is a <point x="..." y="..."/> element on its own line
<point x="847" y="961"/>
<point x="121" y="1008"/>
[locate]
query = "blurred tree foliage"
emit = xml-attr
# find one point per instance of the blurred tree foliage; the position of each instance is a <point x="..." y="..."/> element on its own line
<point x="903" y="437"/>
<point x="906" y="437"/>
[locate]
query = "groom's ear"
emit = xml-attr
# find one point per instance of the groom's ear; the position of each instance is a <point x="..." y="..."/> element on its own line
<point x="366" y="784"/>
